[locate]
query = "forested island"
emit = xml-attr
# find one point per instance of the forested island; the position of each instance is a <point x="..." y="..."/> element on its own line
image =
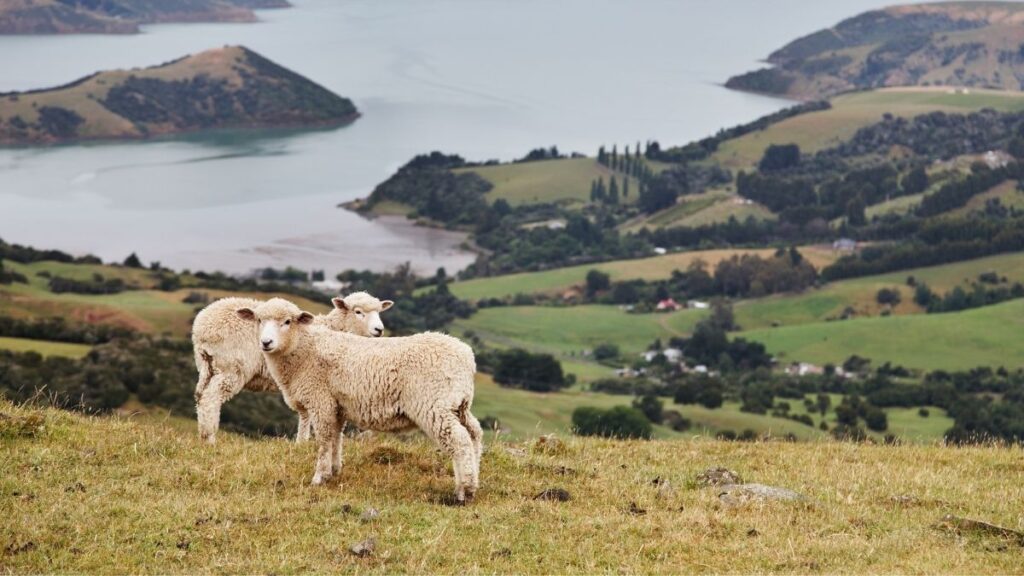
<point x="970" y="44"/>
<point x="120" y="16"/>
<point x="230" y="87"/>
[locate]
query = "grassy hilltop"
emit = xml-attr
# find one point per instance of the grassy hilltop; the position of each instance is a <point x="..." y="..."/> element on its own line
<point x="93" y="494"/>
<point x="973" y="44"/>
<point x="231" y="87"/>
<point x="120" y="16"/>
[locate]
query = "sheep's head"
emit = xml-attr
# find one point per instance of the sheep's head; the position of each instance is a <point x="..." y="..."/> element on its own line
<point x="358" y="313"/>
<point x="278" y="321"/>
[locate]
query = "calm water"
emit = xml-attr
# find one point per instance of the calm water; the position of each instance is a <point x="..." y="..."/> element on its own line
<point x="482" y="78"/>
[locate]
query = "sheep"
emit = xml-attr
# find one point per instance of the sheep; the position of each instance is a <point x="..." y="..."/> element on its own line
<point x="390" y="384"/>
<point x="229" y="360"/>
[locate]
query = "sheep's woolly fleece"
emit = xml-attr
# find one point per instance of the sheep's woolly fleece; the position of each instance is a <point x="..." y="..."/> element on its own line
<point x="229" y="360"/>
<point x="386" y="384"/>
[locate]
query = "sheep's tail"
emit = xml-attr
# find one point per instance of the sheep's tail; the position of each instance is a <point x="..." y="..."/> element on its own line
<point x="204" y="364"/>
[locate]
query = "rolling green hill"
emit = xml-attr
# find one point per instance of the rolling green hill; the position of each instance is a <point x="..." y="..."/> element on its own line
<point x="145" y="309"/>
<point x="988" y="336"/>
<point x="814" y="131"/>
<point x="120" y="16"/>
<point x="946" y="44"/>
<point x="230" y="87"/>
<point x="87" y="496"/>
<point x="653" y="268"/>
<point x="829" y="301"/>
<point x="563" y="180"/>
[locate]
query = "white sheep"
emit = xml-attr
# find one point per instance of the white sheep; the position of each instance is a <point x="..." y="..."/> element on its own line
<point x="229" y="360"/>
<point x="386" y="384"/>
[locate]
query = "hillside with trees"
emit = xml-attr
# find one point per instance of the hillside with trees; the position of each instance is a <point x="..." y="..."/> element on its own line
<point x="943" y="44"/>
<point x="231" y="87"/>
<point x="120" y="16"/>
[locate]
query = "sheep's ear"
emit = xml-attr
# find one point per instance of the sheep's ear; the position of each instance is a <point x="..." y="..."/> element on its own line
<point x="386" y="304"/>
<point x="339" y="303"/>
<point x="246" y="314"/>
<point x="305" y="318"/>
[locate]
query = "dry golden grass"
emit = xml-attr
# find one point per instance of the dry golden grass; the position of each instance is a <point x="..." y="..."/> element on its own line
<point x="115" y="496"/>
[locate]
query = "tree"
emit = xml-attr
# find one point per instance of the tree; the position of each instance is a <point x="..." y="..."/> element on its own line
<point x="779" y="157"/>
<point x="855" y="212"/>
<point x="132" y="261"/>
<point x="658" y="194"/>
<point x="651" y="406"/>
<point x="888" y="296"/>
<point x="625" y="187"/>
<point x="915" y="182"/>
<point x="613" y="191"/>
<point x="617" y="422"/>
<point x="605" y="351"/>
<point x="824" y="402"/>
<point x="876" y="420"/>
<point x="710" y="398"/>
<point x="597" y="281"/>
<point x="518" y="368"/>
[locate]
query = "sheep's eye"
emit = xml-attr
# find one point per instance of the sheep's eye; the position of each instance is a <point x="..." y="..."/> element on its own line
<point x="287" y="322"/>
<point x="359" y="312"/>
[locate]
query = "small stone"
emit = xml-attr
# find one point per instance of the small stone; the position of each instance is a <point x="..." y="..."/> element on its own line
<point x="370" y="515"/>
<point x="738" y="494"/>
<point x="905" y="500"/>
<point x="665" y="489"/>
<point x="549" y="444"/>
<point x="753" y="532"/>
<point x="958" y="525"/>
<point x="513" y="451"/>
<point x="554" y="495"/>
<point x="636" y="510"/>
<point x="364" y="548"/>
<point x="718" y="477"/>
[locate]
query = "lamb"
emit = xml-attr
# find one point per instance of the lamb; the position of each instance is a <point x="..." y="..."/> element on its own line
<point x="388" y="384"/>
<point x="229" y="360"/>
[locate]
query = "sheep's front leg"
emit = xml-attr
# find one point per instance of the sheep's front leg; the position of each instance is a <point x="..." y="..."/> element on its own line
<point x="326" y="424"/>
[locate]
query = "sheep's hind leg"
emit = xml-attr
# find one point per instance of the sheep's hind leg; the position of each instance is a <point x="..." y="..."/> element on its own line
<point x="305" y="427"/>
<point x="446" y="429"/>
<point x="476" y="433"/>
<point x="218" y="391"/>
<point x="336" y="456"/>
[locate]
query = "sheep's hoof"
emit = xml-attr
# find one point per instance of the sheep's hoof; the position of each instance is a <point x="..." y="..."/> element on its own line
<point x="318" y="480"/>
<point x="209" y="439"/>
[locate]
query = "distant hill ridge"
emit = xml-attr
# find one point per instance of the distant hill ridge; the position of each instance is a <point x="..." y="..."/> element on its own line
<point x="953" y="44"/>
<point x="119" y="16"/>
<point x="231" y="87"/>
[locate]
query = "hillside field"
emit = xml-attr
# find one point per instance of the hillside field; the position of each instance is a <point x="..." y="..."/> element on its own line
<point x="563" y="180"/>
<point x="829" y="301"/>
<point x="574" y="329"/>
<point x="988" y="336"/>
<point x="45" y="348"/>
<point x="85" y="495"/>
<point x="815" y="131"/>
<point x="147" y="309"/>
<point x="651" y="268"/>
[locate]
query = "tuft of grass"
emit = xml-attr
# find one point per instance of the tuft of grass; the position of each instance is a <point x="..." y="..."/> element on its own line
<point x="110" y="495"/>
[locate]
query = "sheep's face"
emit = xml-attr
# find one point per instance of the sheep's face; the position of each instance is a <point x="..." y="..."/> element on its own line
<point x="278" y="321"/>
<point x="358" y="313"/>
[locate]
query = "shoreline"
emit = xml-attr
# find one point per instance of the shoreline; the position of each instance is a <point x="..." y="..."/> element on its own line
<point x="269" y="129"/>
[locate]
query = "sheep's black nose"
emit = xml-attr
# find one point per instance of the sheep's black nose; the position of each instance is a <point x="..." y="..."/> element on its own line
<point x="266" y="343"/>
